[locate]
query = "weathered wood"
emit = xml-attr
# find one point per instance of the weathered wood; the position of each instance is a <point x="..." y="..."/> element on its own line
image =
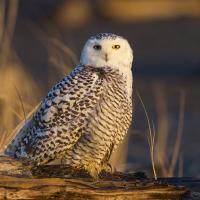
<point x="19" y="182"/>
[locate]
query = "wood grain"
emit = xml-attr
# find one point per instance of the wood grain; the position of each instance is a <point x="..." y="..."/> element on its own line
<point x="22" y="182"/>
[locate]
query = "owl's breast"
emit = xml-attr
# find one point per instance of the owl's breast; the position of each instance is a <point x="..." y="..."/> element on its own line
<point x="107" y="124"/>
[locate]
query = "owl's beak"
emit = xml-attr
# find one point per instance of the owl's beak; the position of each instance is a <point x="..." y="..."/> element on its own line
<point x="106" y="57"/>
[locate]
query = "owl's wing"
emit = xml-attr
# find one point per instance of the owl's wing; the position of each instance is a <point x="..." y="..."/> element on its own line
<point x="59" y="121"/>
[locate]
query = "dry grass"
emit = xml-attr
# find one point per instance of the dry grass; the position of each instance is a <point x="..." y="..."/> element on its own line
<point x="19" y="92"/>
<point x="177" y="145"/>
<point x="168" y="166"/>
<point x="150" y="136"/>
<point x="16" y="98"/>
<point x="164" y="163"/>
<point x="11" y="109"/>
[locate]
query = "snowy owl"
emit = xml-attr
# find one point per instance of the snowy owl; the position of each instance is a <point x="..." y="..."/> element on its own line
<point x="86" y="115"/>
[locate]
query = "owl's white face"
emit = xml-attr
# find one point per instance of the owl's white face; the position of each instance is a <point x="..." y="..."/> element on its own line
<point x="107" y="49"/>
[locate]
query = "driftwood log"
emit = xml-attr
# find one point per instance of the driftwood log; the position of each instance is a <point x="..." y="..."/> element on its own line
<point x="61" y="182"/>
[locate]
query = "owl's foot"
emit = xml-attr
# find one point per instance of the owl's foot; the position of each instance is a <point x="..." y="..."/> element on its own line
<point x="97" y="171"/>
<point x="107" y="168"/>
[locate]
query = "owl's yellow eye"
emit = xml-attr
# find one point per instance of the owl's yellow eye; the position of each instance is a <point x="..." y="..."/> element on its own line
<point x="116" y="46"/>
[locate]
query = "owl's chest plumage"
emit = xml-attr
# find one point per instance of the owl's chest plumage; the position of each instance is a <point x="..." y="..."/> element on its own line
<point x="106" y="125"/>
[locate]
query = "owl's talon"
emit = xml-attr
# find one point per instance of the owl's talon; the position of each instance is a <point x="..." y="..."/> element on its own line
<point x="107" y="168"/>
<point x="110" y="167"/>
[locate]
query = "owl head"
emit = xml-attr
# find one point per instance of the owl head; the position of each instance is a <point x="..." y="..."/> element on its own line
<point x="107" y="49"/>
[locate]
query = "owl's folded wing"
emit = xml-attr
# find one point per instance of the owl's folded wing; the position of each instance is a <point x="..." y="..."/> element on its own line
<point x="59" y="121"/>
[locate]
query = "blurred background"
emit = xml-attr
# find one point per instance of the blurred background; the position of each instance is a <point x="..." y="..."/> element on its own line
<point x="41" y="41"/>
